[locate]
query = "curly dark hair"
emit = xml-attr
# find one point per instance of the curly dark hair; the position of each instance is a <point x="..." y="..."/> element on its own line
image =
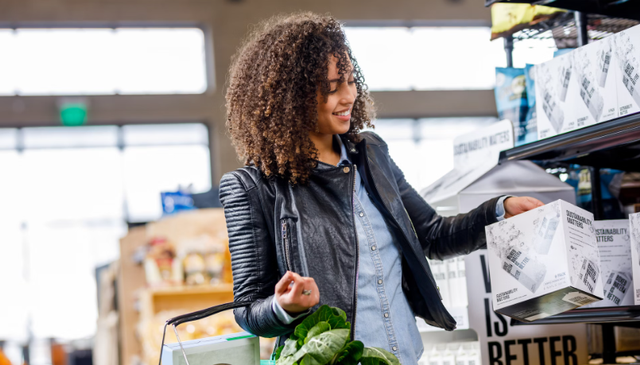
<point x="271" y="98"/>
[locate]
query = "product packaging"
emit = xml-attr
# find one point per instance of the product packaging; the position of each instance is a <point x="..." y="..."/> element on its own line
<point x="597" y="96"/>
<point x="615" y="262"/>
<point x="544" y="262"/>
<point x="531" y="121"/>
<point x="577" y="89"/>
<point x="634" y="228"/>
<point x="511" y="99"/>
<point x="552" y="85"/>
<point x="626" y="62"/>
<point x="507" y="19"/>
<point x="238" y="348"/>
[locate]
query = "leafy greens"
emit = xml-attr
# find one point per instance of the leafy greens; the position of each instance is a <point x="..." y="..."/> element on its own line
<point x="323" y="338"/>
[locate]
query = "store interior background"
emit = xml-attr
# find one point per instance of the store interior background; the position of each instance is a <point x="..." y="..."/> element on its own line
<point x="70" y="193"/>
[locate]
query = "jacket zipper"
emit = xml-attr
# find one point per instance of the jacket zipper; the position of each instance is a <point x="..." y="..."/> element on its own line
<point x="285" y="242"/>
<point x="355" y="285"/>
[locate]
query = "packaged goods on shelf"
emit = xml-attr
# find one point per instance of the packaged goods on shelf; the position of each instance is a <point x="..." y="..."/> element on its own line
<point x="554" y="111"/>
<point x="544" y="262"/>
<point x="453" y="353"/>
<point x="615" y="262"/>
<point x="596" y="81"/>
<point x="511" y="100"/>
<point x="160" y="265"/>
<point x="531" y="121"/>
<point x="626" y="62"/>
<point x="634" y="228"/>
<point x="576" y="89"/>
<point x="507" y="19"/>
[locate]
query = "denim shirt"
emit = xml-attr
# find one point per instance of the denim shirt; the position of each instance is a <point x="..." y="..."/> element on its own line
<point x="384" y="317"/>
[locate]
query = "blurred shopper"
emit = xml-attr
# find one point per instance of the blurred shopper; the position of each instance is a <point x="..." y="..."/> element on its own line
<point x="321" y="214"/>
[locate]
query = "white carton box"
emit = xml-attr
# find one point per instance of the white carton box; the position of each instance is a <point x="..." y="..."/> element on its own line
<point x="626" y="61"/>
<point x="553" y="82"/>
<point x="236" y="348"/>
<point x="634" y="227"/>
<point x="544" y="262"/>
<point x="596" y="79"/>
<point x="577" y="89"/>
<point x="615" y="262"/>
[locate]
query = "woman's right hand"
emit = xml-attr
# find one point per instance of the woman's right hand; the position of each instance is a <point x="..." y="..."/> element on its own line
<point x="290" y="293"/>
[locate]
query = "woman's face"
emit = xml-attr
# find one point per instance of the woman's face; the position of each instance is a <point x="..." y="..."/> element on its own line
<point x="334" y="116"/>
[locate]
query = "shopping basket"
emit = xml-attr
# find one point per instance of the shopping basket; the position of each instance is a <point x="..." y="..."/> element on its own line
<point x="243" y="347"/>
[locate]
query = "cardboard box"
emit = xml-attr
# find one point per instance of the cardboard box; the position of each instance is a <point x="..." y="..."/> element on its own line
<point x="236" y="348"/>
<point x="615" y="262"/>
<point x="626" y="61"/>
<point x="634" y="228"/>
<point x="544" y="262"/>
<point x="553" y="82"/>
<point x="596" y="81"/>
<point x="577" y="89"/>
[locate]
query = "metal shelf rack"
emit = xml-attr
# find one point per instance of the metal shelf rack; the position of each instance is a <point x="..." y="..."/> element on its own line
<point x="612" y="8"/>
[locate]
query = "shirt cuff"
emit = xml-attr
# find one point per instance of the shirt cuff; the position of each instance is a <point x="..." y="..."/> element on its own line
<point x="500" y="212"/>
<point x="282" y="314"/>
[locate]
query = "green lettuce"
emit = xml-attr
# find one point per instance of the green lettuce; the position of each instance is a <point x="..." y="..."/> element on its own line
<point x="323" y="338"/>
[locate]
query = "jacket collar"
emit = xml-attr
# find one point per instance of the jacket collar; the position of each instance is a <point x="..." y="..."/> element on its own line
<point x="353" y="151"/>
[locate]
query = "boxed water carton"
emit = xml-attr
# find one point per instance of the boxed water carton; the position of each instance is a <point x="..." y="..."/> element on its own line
<point x="577" y="89"/>
<point x="634" y="228"/>
<point x="597" y="99"/>
<point x="544" y="262"/>
<point x="615" y="262"/>
<point x="240" y="348"/>
<point x="626" y="62"/>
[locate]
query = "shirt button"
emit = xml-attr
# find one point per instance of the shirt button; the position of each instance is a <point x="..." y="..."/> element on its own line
<point x="394" y="348"/>
<point x="346" y="169"/>
<point x="386" y="315"/>
<point x="373" y="248"/>
<point x="380" y="281"/>
<point x="361" y="214"/>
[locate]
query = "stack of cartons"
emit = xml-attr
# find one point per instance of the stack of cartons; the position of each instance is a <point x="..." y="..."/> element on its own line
<point x="592" y="84"/>
<point x="634" y="228"/>
<point x="615" y="262"/>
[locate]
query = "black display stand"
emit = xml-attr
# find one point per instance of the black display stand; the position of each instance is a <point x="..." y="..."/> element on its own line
<point x="613" y="144"/>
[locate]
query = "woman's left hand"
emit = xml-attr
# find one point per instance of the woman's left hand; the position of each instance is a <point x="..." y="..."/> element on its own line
<point x="519" y="204"/>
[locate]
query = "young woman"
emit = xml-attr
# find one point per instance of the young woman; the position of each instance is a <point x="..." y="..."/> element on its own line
<point x="321" y="214"/>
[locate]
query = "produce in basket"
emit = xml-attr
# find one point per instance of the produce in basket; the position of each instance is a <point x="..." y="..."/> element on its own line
<point x="323" y="338"/>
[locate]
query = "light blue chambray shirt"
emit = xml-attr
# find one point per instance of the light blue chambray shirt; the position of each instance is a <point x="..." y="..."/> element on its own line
<point x="383" y="316"/>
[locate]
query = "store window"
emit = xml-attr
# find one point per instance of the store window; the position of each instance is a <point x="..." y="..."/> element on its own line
<point x="68" y="194"/>
<point x="423" y="148"/>
<point x="436" y="58"/>
<point x="92" y="61"/>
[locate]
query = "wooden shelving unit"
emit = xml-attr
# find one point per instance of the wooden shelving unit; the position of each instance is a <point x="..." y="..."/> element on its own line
<point x="155" y="300"/>
<point x="137" y="302"/>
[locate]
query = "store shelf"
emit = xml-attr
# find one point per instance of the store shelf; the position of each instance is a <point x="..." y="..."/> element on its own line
<point x="156" y="300"/>
<point x="613" y="8"/>
<point x="562" y="28"/>
<point x="191" y="290"/>
<point x="613" y="144"/>
<point x="591" y="315"/>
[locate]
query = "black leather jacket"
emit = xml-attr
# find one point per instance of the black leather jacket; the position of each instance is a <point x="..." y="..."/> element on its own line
<point x="274" y="227"/>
